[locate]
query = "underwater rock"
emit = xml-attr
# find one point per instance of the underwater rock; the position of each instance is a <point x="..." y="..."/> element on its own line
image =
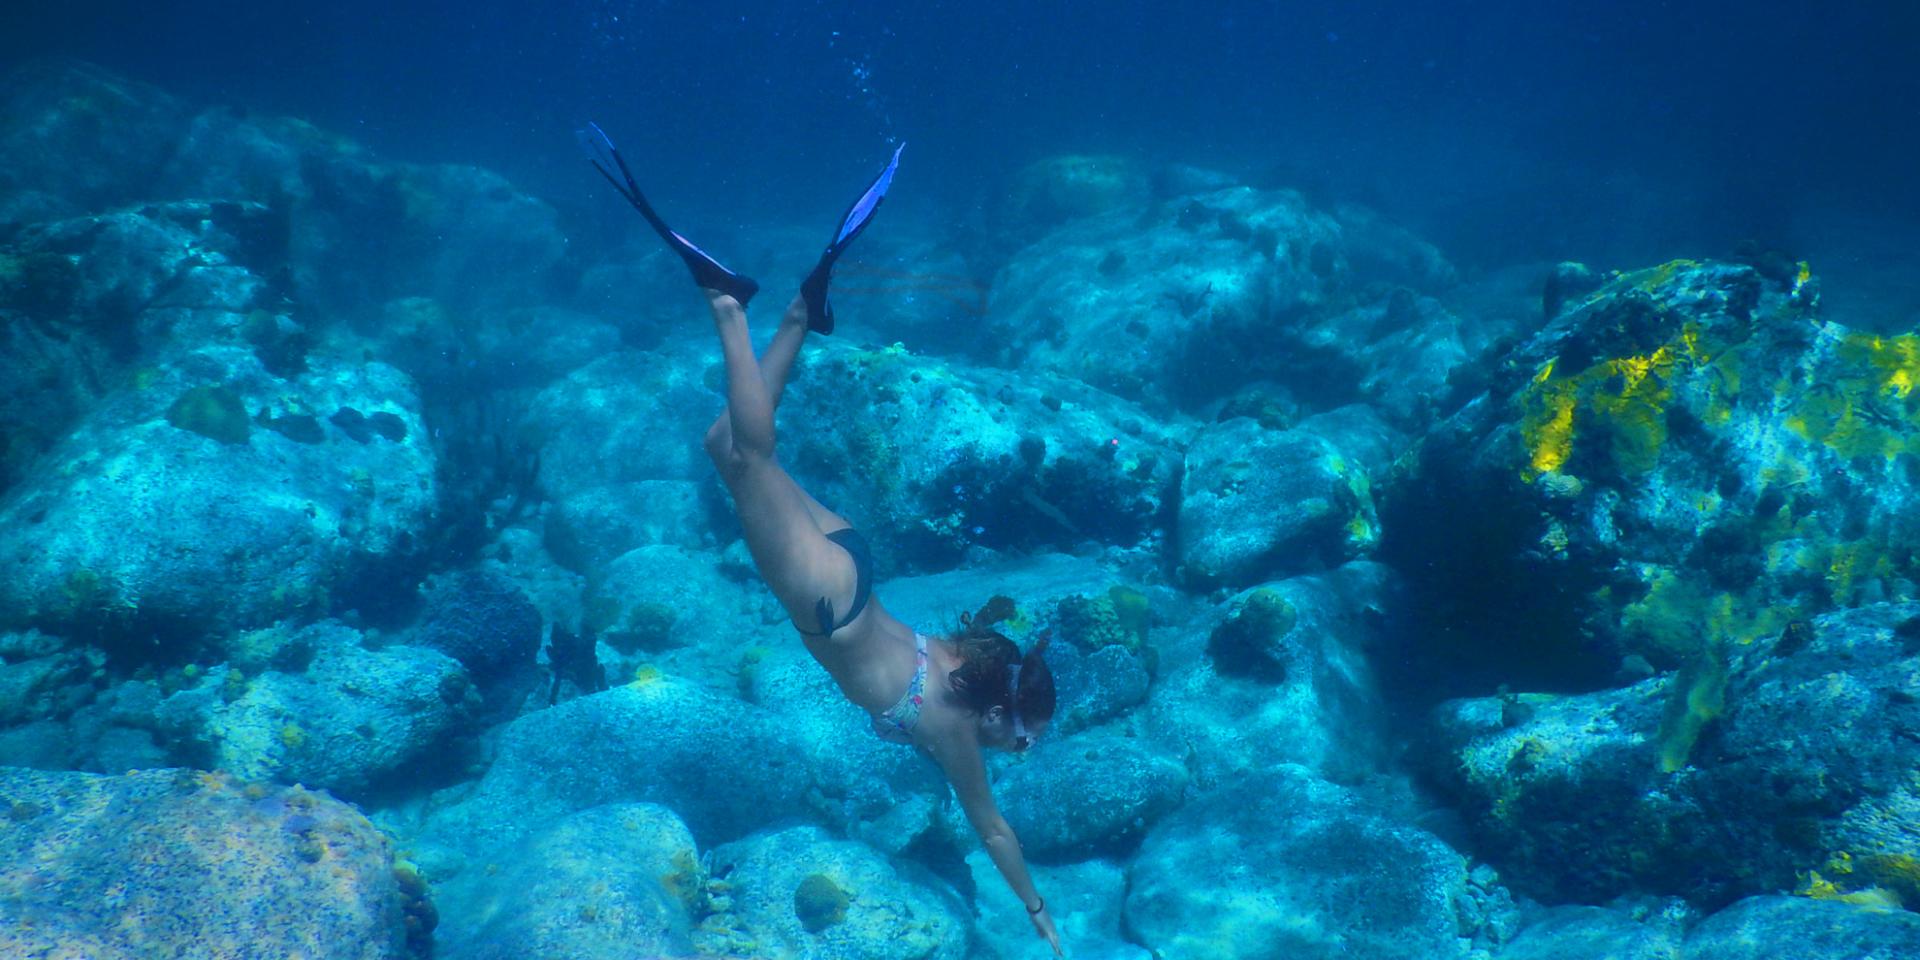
<point x="627" y="417"/>
<point x="1049" y="193"/>
<point x="725" y="767"/>
<point x="1094" y="688"/>
<point x="1116" y="788"/>
<point x="1718" y="783"/>
<point x="1687" y="457"/>
<point x="1091" y="892"/>
<point x="607" y="883"/>
<point x="178" y="863"/>
<point x="481" y="620"/>
<point x="1317" y="872"/>
<point x="1305" y="695"/>
<point x="883" y="794"/>
<point x="54" y="114"/>
<point x="652" y="600"/>
<point x="1255" y="503"/>
<point x="1593" y="933"/>
<point x="85" y="302"/>
<point x="1796" y="928"/>
<point x="459" y="233"/>
<point x="47" y="687"/>
<point x="156" y="539"/>
<point x="347" y="721"/>
<point x="931" y="458"/>
<point x="799" y="892"/>
<point x="1204" y="294"/>
<point x="593" y="526"/>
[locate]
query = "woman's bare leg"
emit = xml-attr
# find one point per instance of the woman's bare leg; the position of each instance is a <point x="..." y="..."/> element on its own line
<point x="775" y="365"/>
<point x="788" y="543"/>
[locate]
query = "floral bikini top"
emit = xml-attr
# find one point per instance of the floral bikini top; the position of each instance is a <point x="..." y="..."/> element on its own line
<point x="897" y="723"/>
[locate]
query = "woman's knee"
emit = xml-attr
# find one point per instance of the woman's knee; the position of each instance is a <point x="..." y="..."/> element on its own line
<point x="728" y="453"/>
<point x="719" y="439"/>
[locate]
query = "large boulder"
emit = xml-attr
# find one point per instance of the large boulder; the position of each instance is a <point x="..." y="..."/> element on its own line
<point x="212" y="495"/>
<point x="341" y="717"/>
<point x="1593" y="933"/>
<point x="1088" y="797"/>
<point x="84" y="300"/>
<point x="177" y="863"/>
<point x="1256" y="502"/>
<point x="455" y="232"/>
<point x="1280" y="674"/>
<point x="931" y="459"/>
<point x="1280" y="863"/>
<point x="724" y="766"/>
<point x="799" y="892"/>
<point x="1688" y="456"/>
<point x="606" y="883"/>
<point x="1785" y="765"/>
<point x="1184" y="302"/>
<point x="1796" y="928"/>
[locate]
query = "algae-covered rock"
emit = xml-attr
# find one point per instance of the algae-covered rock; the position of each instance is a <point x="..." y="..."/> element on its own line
<point x="346" y="719"/>
<point x="1688" y="455"/>
<point x="957" y="456"/>
<point x="819" y="903"/>
<point x="1593" y="933"/>
<point x="1058" y="190"/>
<point x="799" y="892"/>
<point x="178" y="863"/>
<point x="1797" y="775"/>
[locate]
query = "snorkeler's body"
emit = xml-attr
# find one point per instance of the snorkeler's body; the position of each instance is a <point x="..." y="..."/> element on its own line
<point x="815" y="564"/>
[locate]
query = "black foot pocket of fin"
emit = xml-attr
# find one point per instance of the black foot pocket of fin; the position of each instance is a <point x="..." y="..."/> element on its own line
<point x="710" y="275"/>
<point x="813" y="291"/>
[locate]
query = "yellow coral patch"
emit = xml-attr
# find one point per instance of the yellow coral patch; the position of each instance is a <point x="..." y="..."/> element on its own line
<point x="1893" y="363"/>
<point x="1547" y="428"/>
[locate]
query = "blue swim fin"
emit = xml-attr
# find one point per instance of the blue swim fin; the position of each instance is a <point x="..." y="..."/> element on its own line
<point x="813" y="290"/>
<point x="707" y="272"/>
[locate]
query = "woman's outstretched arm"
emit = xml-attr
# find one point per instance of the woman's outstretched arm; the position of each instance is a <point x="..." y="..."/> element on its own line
<point x="968" y="774"/>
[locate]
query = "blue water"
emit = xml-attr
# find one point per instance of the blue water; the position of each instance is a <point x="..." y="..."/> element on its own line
<point x="1503" y="130"/>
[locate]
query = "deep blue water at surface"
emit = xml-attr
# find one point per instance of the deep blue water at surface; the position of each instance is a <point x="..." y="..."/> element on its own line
<point x="1505" y="130"/>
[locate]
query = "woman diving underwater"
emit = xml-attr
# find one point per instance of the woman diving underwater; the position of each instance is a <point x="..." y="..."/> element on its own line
<point x="951" y="697"/>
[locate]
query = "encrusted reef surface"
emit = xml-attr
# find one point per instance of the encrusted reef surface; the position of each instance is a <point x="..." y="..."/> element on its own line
<point x="1395" y="611"/>
<point x="178" y="863"/>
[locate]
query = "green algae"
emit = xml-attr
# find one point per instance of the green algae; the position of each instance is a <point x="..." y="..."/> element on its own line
<point x="212" y="412"/>
<point x="1698" y="697"/>
<point x="819" y="903"/>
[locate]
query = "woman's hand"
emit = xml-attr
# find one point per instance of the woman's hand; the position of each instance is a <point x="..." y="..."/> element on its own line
<point x="1043" y="925"/>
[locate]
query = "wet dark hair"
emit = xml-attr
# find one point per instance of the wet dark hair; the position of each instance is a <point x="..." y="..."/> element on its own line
<point x="984" y="678"/>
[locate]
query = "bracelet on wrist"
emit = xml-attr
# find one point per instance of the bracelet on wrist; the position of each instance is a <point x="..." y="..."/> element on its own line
<point x="1034" y="911"/>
